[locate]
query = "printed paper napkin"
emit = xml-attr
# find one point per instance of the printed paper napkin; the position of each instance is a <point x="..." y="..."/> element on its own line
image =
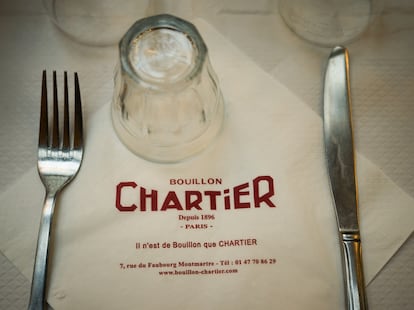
<point x="247" y="224"/>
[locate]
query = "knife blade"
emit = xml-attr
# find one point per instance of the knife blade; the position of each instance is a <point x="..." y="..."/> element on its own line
<point x="339" y="151"/>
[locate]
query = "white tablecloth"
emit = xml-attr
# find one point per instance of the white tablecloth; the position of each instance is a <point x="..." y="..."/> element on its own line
<point x="382" y="68"/>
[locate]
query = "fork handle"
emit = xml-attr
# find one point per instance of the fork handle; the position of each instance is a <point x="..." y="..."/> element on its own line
<point x="38" y="290"/>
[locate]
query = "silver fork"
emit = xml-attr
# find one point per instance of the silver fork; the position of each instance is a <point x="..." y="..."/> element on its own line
<point x="59" y="160"/>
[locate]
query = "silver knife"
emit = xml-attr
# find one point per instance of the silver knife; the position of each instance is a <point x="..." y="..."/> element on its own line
<point x="339" y="149"/>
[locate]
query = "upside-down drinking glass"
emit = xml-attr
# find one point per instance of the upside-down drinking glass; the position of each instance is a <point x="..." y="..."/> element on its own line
<point x="96" y="22"/>
<point x="329" y="22"/>
<point x="167" y="102"/>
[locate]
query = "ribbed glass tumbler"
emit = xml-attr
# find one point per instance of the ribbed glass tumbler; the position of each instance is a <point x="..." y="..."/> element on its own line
<point x="167" y="102"/>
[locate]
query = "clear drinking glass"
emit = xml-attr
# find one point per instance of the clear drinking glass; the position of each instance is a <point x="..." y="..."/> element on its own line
<point x="167" y="102"/>
<point x="96" y="22"/>
<point x="329" y="22"/>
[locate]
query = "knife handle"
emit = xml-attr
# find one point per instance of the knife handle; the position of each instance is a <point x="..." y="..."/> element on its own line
<point x="353" y="272"/>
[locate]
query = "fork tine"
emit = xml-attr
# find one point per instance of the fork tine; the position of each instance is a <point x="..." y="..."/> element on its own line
<point x="55" y="133"/>
<point x="66" y="140"/>
<point x="78" y="130"/>
<point x="43" y="125"/>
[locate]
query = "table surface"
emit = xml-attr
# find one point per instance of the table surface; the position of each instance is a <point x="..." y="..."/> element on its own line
<point x="382" y="107"/>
